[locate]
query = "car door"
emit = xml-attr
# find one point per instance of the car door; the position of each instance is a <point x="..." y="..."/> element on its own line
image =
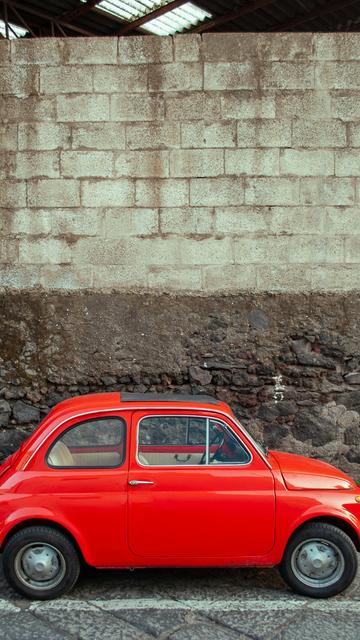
<point x="80" y="481"/>
<point x="210" y="495"/>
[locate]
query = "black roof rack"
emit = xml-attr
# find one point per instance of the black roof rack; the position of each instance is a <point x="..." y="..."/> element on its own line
<point x="186" y="398"/>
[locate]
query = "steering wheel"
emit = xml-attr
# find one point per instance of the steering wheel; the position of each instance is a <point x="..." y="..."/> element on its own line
<point x="212" y="441"/>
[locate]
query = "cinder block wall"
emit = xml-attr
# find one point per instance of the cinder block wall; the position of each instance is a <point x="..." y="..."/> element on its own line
<point x="213" y="163"/>
<point x="224" y="166"/>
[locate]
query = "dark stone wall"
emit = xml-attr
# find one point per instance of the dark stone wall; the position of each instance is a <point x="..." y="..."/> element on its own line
<point x="289" y="365"/>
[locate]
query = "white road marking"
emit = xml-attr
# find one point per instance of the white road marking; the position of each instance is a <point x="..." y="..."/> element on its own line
<point x="8" y="607"/>
<point x="234" y="604"/>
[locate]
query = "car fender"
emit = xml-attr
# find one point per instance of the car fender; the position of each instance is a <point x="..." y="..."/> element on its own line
<point x="42" y="515"/>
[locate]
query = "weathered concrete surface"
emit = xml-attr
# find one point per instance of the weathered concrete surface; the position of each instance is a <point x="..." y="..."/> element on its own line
<point x="176" y="604"/>
<point x="289" y="365"/>
<point x="220" y="162"/>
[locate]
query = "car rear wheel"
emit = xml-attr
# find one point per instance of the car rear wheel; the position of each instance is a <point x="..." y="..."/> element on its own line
<point x="320" y="561"/>
<point x="41" y="562"/>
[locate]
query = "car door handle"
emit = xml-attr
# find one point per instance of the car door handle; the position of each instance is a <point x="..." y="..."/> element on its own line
<point x="135" y="482"/>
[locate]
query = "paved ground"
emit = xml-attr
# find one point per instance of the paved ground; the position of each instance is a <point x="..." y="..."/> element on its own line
<point x="181" y="605"/>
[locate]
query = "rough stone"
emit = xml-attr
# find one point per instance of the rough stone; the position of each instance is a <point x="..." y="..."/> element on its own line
<point x="5" y="411"/>
<point x="200" y="375"/>
<point x="24" y="413"/>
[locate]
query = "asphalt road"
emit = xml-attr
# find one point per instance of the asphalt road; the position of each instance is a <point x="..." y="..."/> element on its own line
<point x="176" y="604"/>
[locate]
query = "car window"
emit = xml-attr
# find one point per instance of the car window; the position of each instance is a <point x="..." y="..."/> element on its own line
<point x="179" y="441"/>
<point x="91" y="443"/>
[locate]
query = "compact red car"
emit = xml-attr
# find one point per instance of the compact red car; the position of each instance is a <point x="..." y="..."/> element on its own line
<point x="145" y="480"/>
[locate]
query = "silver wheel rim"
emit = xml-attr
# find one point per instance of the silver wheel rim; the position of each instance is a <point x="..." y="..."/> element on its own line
<point x="40" y="566"/>
<point x="317" y="563"/>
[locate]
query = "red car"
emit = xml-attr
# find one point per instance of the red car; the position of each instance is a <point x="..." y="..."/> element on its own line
<point x="146" y="480"/>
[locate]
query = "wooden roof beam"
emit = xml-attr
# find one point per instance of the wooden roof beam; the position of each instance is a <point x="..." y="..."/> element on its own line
<point x="45" y="16"/>
<point x="79" y="11"/>
<point x="329" y="8"/>
<point x="234" y="15"/>
<point x="160" y="11"/>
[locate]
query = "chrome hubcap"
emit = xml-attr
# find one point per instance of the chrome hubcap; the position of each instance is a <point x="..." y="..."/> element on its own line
<point x="317" y="563"/>
<point x="40" y="565"/>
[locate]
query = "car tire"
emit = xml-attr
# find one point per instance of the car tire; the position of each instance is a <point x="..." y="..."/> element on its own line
<point x="41" y="563"/>
<point x="320" y="561"/>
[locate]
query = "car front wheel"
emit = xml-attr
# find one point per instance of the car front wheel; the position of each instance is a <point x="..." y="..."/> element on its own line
<point x="41" y="562"/>
<point x="320" y="561"/>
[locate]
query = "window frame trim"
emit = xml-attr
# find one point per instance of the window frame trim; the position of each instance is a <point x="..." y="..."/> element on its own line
<point x="118" y="466"/>
<point x="207" y="464"/>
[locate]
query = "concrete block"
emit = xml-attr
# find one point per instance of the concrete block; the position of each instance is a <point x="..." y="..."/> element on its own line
<point x="263" y="133"/>
<point x="47" y="51"/>
<point x="214" y="134"/>
<point x="15" y="277"/>
<point x="337" y="75"/>
<point x="244" y="104"/>
<point x="309" y="133"/>
<point x="239" y="220"/>
<point x="7" y="164"/>
<point x="342" y="221"/>
<point x="4" y="52"/>
<point x="297" y="220"/>
<point x="229" y="75"/>
<point x="187" y="47"/>
<point x="303" y="162"/>
<point x="8" y="137"/>
<point x="193" y="106"/>
<point x="354" y="134"/>
<point x="336" y="46"/>
<point x="315" y="250"/>
<point x="83" y="108"/>
<point x="53" y="193"/>
<point x="27" y="109"/>
<point x="31" y="222"/>
<point x="285" y="46"/>
<point x="261" y="250"/>
<point x="272" y="191"/>
<point x="79" y="164"/>
<point x="37" y="164"/>
<point x="130" y="108"/>
<point x="346" y="106"/>
<point x="287" y="75"/>
<point x="205" y="251"/>
<point x="337" y="278"/>
<point x="72" y="79"/>
<point x="218" y="192"/>
<point x="120" y="79"/>
<point x="8" y="251"/>
<point x="331" y="191"/>
<point x="153" y="135"/>
<point x="65" y="277"/>
<point x="145" y="49"/>
<point x="101" y="252"/>
<point x="352" y="250"/>
<point x="283" y="278"/>
<point x="177" y="76"/>
<point x="142" y="164"/>
<point x="347" y="162"/>
<point x="98" y="135"/>
<point x="228" y="47"/>
<point x="19" y="80"/>
<point x="121" y="222"/>
<point x="107" y="193"/>
<point x="196" y="162"/>
<point x="13" y="193"/>
<point x="230" y="277"/>
<point x="162" y="193"/>
<point x="76" y="222"/>
<point x="117" y="277"/>
<point x="43" y="136"/>
<point x="262" y="46"/>
<point x="89" y="50"/>
<point x="261" y="162"/>
<point x="187" y="220"/>
<point x="311" y="105"/>
<point x="44" y="251"/>
<point x="175" y="278"/>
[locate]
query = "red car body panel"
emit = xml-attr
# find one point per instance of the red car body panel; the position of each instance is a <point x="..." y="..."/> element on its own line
<point x="219" y="515"/>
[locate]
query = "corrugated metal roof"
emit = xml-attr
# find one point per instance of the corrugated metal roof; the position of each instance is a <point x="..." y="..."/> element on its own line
<point x="83" y="17"/>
